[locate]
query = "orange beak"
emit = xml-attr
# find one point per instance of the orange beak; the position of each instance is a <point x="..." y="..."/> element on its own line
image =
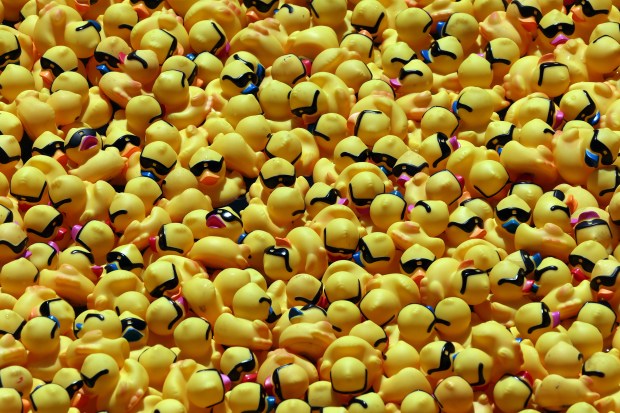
<point x="283" y="242"/>
<point x="80" y="400"/>
<point x="605" y="294"/>
<point x="478" y="233"/>
<point x="209" y="178"/>
<point x="48" y="78"/>
<point x="529" y="24"/>
<point x="81" y="7"/>
<point x="366" y="33"/>
<point x="61" y="158"/>
<point x="577" y="14"/>
<point x="418" y="276"/>
<point x="142" y="11"/>
<point x="571" y="203"/>
<point x="129" y="150"/>
<point x="252" y="16"/>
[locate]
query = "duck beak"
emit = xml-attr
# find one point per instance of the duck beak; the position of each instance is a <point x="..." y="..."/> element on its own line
<point x="142" y="11"/>
<point x="153" y="244"/>
<point x="252" y="16"/>
<point x="129" y="150"/>
<point x="60" y="233"/>
<point x="577" y="14"/>
<point x="418" y="276"/>
<point x="81" y="8"/>
<point x="578" y="274"/>
<point x="559" y="39"/>
<point x="529" y="24"/>
<point x="478" y="233"/>
<point x="283" y="242"/>
<point x="48" y="78"/>
<point x="61" y="157"/>
<point x="208" y="178"/>
<point x="402" y="180"/>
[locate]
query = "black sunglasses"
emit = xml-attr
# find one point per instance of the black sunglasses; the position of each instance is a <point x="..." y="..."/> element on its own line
<point x="163" y="244"/>
<point x="17" y="332"/>
<point x="538" y="273"/>
<point x="469" y="225"/>
<point x="408" y="169"/>
<point x="91" y="381"/>
<point x="274" y="181"/>
<point x="44" y="308"/>
<point x="76" y="139"/>
<point x="499" y="141"/>
<point x="48" y="150"/>
<point x="334" y="250"/>
<point x="15" y="248"/>
<point x="212" y="166"/>
<point x="308" y="110"/>
<point x="488" y="55"/>
<point x="282" y="253"/>
<point x="586" y="264"/>
<point x="331" y="198"/>
<point x="134" y="56"/>
<point x="528" y="11"/>
<point x="415" y="263"/>
<point x="544" y="66"/>
<point x="358" y="121"/>
<point x="606" y="280"/>
<point x="546" y="319"/>
<point x="506" y="213"/>
<point x="436" y="51"/>
<point x="445" y="360"/>
<point x="442" y="142"/>
<point x="55" y="68"/>
<point x="607" y="157"/>
<point x="167" y="285"/>
<point x="552" y="30"/>
<point x="262" y="7"/>
<point x="518" y="279"/>
<point x="587" y="8"/>
<point x="151" y="164"/>
<point x="121" y="142"/>
<point x="111" y="61"/>
<point x="370" y="29"/>
<point x="244" y="366"/>
<point x="360" y="202"/>
<point x="12" y="55"/>
<point x="616" y="184"/>
<point x="465" y="274"/>
<point x="5" y="158"/>
<point x="224" y="214"/>
<point x="589" y="113"/>
<point x="242" y="81"/>
<point x="151" y="4"/>
<point x="368" y="257"/>
<point x="49" y="229"/>
<point x="378" y="158"/>
<point x="362" y="157"/>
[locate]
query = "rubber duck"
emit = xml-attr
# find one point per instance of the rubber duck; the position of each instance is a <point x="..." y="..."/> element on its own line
<point x="124" y="385"/>
<point x="191" y="104"/>
<point x="500" y="24"/>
